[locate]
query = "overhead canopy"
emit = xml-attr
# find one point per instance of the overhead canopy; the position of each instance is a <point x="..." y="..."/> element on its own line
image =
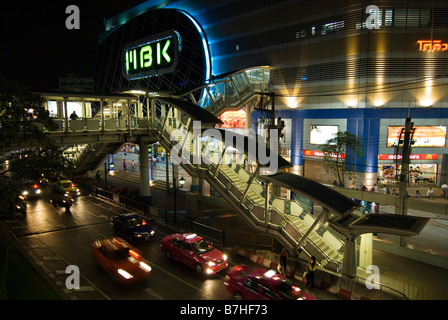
<point x="380" y="223"/>
<point x="329" y="199"/>
<point x="192" y="110"/>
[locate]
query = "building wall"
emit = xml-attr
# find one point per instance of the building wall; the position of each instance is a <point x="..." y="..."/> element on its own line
<point x="326" y="66"/>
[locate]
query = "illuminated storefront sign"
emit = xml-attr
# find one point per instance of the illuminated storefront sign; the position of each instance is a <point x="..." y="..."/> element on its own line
<point x="425" y="156"/>
<point x="313" y="153"/>
<point x="432" y="45"/>
<point x="152" y="56"/>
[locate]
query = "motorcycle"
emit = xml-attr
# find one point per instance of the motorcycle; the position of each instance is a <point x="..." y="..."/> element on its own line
<point x="63" y="199"/>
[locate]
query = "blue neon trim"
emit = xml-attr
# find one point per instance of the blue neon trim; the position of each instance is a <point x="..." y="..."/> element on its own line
<point x="204" y="44"/>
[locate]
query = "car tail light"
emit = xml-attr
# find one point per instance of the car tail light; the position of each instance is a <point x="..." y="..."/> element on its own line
<point x="296" y="289"/>
<point x="134" y="254"/>
<point x="143" y="223"/>
<point x="35" y="186"/>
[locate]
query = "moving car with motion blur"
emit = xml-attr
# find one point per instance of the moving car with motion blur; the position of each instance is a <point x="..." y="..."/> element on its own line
<point x="123" y="262"/>
<point x="68" y="186"/>
<point x="195" y="252"/>
<point x="132" y="227"/>
<point x="261" y="284"/>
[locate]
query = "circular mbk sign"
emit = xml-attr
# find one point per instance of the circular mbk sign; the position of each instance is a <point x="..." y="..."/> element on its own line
<point x="152" y="56"/>
<point x="160" y="50"/>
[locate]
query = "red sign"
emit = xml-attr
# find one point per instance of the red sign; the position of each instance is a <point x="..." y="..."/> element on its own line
<point x="321" y="154"/>
<point x="426" y="156"/>
<point x="432" y="45"/>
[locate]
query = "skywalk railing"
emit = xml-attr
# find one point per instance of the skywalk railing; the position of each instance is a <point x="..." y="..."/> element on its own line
<point x="230" y="91"/>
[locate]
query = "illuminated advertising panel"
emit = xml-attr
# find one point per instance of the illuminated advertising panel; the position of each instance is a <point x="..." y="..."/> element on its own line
<point x="424" y="136"/>
<point x="152" y="56"/>
<point x="52" y="107"/>
<point x="321" y="134"/>
<point x="234" y="119"/>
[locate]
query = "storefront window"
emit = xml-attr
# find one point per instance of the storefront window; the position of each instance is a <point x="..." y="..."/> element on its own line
<point x="418" y="173"/>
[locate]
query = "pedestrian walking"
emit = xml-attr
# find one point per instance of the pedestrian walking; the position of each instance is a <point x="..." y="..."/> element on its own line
<point x="429" y="193"/>
<point x="283" y="261"/>
<point x="310" y="271"/>
<point x="124" y="165"/>
<point x="133" y="165"/>
<point x="445" y="190"/>
<point x="417" y="193"/>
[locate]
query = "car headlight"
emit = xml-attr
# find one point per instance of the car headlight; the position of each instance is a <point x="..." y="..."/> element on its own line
<point x="210" y="263"/>
<point x="24" y="193"/>
<point x="152" y="232"/>
<point x="38" y="191"/>
<point x="145" y="267"/>
<point x="124" y="274"/>
<point x="224" y="256"/>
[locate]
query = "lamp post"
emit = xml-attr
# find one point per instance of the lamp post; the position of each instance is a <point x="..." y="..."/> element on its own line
<point x="175" y="188"/>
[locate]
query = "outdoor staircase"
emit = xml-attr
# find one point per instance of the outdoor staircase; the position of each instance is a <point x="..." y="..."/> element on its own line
<point x="287" y="220"/>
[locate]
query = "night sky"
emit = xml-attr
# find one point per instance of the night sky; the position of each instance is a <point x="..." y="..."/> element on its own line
<point x="36" y="48"/>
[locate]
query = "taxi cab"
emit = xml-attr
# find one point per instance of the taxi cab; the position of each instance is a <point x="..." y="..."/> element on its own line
<point x="121" y="260"/>
<point x="68" y="186"/>
<point x="261" y="284"/>
<point x="195" y="252"/>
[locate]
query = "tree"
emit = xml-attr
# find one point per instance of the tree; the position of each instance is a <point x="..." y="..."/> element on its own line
<point x="21" y="115"/>
<point x="341" y="154"/>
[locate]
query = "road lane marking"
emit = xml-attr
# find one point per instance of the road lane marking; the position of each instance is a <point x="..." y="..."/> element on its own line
<point x="181" y="280"/>
<point x="154" y="294"/>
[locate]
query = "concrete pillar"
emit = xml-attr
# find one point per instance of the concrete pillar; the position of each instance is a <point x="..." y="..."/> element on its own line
<point x="144" y="170"/>
<point x="349" y="261"/>
<point x="366" y="251"/>
<point x="194" y="184"/>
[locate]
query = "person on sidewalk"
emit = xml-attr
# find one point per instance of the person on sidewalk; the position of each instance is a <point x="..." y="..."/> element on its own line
<point x="445" y="190"/>
<point x="283" y="261"/>
<point x="429" y="193"/>
<point x="310" y="271"/>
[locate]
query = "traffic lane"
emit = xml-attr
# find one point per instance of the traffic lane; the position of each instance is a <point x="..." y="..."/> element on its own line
<point x="42" y="216"/>
<point x="169" y="279"/>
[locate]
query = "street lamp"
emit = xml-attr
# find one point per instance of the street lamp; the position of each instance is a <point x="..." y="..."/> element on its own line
<point x="181" y="183"/>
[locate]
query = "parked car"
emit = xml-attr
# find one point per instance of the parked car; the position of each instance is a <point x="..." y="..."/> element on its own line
<point x="195" y="252"/>
<point x="132" y="227"/>
<point x="121" y="260"/>
<point x="261" y="284"/>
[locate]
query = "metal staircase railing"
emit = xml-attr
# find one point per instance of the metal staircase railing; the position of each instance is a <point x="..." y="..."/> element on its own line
<point x="232" y="180"/>
<point x="231" y="91"/>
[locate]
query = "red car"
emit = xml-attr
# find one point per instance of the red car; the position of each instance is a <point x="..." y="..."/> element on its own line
<point x="261" y="284"/>
<point x="195" y="252"/>
<point x="121" y="260"/>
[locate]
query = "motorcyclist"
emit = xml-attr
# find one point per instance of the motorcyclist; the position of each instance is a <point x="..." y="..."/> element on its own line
<point x="61" y="197"/>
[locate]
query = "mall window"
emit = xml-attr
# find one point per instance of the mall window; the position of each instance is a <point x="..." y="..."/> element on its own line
<point x="333" y="26"/>
<point x="411" y="17"/>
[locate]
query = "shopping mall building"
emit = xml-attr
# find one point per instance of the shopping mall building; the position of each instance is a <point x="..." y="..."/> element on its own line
<point x="329" y="66"/>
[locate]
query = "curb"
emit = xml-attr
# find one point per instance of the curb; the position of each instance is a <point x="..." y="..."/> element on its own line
<point x="338" y="289"/>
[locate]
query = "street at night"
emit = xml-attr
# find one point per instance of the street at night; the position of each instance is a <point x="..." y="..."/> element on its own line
<point x="202" y="152"/>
